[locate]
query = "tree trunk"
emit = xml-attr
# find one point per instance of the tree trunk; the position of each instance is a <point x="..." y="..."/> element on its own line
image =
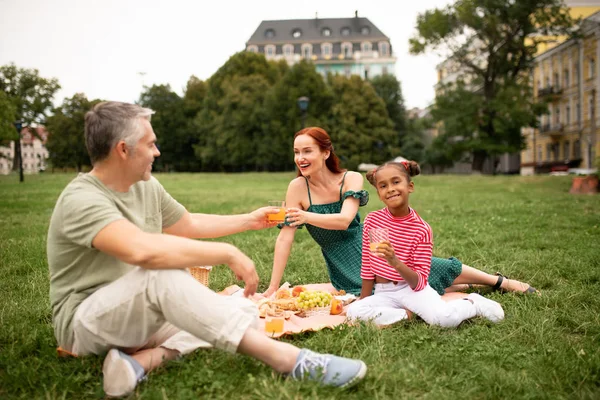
<point x="479" y="157"/>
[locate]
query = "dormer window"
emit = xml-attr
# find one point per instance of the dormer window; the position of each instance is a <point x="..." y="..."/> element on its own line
<point x="296" y="33"/>
<point x="365" y="30"/>
<point x="326" y="32"/>
<point x="345" y="31"/>
<point x="269" y="33"/>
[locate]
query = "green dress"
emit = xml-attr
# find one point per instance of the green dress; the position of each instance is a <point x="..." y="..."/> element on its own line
<point x="342" y="249"/>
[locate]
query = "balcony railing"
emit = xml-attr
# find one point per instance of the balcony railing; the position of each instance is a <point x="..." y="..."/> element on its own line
<point x="550" y="91"/>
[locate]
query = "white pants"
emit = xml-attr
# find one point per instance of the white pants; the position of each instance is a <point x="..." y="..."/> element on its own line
<point x="151" y="308"/>
<point x="386" y="306"/>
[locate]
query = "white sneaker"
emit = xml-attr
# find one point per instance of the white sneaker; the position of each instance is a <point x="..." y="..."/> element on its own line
<point x="487" y="308"/>
<point x="121" y="373"/>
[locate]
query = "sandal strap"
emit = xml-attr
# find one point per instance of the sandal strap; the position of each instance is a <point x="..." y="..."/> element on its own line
<point x="498" y="282"/>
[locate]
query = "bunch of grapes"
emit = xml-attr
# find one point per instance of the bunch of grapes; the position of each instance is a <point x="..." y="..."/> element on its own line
<point x="313" y="298"/>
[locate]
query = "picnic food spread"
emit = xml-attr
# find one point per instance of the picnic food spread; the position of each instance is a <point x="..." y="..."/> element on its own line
<point x="303" y="302"/>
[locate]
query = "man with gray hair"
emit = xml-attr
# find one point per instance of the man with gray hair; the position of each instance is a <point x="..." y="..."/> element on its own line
<point x="118" y="245"/>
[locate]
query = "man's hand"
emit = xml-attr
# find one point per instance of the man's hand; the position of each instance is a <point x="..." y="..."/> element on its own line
<point x="244" y="270"/>
<point x="258" y="219"/>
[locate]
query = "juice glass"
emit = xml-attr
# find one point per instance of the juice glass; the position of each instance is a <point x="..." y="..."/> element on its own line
<point x="280" y="216"/>
<point x="376" y="236"/>
<point x="274" y="323"/>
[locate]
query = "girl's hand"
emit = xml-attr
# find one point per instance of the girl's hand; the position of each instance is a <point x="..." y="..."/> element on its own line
<point x="296" y="216"/>
<point x="385" y="250"/>
<point x="270" y="291"/>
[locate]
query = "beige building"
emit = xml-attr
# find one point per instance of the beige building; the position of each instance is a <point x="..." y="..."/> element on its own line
<point x="33" y="149"/>
<point x="568" y="78"/>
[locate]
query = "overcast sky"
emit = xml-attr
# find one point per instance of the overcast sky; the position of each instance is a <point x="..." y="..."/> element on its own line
<point x="100" y="47"/>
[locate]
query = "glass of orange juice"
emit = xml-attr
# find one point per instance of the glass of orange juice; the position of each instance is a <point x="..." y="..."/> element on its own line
<point x="280" y="216"/>
<point x="274" y="323"/>
<point x="376" y="236"/>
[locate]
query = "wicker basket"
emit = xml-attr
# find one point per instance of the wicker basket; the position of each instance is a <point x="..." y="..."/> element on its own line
<point x="311" y="312"/>
<point x="201" y="274"/>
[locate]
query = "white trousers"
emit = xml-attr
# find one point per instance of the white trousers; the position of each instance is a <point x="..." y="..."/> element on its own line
<point x="387" y="306"/>
<point x="167" y="308"/>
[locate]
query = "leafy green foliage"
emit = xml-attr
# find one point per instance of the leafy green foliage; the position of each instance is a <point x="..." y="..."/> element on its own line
<point x="66" y="142"/>
<point x="7" y="117"/>
<point x="492" y="45"/>
<point x="30" y="94"/>
<point x="174" y="133"/>
<point x="360" y="126"/>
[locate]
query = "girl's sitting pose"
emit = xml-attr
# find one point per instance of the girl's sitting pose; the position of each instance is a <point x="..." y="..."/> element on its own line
<point x="325" y="198"/>
<point x="399" y="267"/>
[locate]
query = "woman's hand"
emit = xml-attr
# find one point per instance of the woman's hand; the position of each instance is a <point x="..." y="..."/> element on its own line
<point x="270" y="291"/>
<point x="296" y="217"/>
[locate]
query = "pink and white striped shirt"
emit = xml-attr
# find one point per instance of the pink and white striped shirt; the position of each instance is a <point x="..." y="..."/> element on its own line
<point x="412" y="240"/>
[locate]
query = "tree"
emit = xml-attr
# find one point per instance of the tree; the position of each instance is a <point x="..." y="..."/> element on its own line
<point x="7" y="117"/>
<point x="360" y="126"/>
<point x="66" y="140"/>
<point x="493" y="44"/>
<point x="174" y="138"/>
<point x="388" y="88"/>
<point x="31" y="98"/>
<point x="233" y="116"/>
<point x="284" y="115"/>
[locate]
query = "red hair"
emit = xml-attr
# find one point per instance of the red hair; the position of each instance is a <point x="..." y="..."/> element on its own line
<point x="324" y="142"/>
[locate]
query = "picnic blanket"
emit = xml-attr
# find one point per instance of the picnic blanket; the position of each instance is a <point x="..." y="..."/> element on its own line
<point x="296" y="324"/>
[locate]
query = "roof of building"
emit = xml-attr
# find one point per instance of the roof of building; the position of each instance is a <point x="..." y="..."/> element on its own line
<point x="311" y="30"/>
<point x="40" y="133"/>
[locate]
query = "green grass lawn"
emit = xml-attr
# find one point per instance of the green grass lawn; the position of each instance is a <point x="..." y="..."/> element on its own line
<point x="529" y="228"/>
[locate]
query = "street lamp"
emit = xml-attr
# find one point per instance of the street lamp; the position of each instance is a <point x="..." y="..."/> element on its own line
<point x="303" y="105"/>
<point x="19" y="125"/>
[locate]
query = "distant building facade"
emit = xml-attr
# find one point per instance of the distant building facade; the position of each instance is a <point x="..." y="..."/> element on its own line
<point x="344" y="46"/>
<point x="568" y="77"/>
<point x="33" y="149"/>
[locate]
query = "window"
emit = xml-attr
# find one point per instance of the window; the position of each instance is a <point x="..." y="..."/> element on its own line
<point x="556" y="83"/>
<point x="366" y="47"/>
<point x="592" y="108"/>
<point x="548" y="82"/>
<point x="269" y="33"/>
<point x="347" y="49"/>
<point x="306" y="50"/>
<point x="568" y="114"/>
<point x="566" y="76"/>
<point x="577" y="149"/>
<point x="539" y="152"/>
<point x="383" y="48"/>
<point x="326" y="32"/>
<point x="326" y="49"/>
<point x="270" y="50"/>
<point x="555" y="150"/>
<point x="252" y="49"/>
<point x="288" y="50"/>
<point x="296" y="33"/>
<point x="592" y="65"/>
<point x="548" y="152"/>
<point x="557" y="115"/>
<point x="345" y="31"/>
<point x="577" y="73"/>
<point x="567" y="150"/>
<point x="578" y="110"/>
<point x="365" y="30"/>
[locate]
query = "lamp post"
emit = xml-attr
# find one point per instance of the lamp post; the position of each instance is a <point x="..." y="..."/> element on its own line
<point x="19" y="125"/>
<point x="303" y="105"/>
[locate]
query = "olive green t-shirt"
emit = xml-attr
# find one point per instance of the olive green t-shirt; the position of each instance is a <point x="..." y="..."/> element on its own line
<point x="83" y="209"/>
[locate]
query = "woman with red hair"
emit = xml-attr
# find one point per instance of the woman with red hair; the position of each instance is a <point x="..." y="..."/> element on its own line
<point x="325" y="198"/>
